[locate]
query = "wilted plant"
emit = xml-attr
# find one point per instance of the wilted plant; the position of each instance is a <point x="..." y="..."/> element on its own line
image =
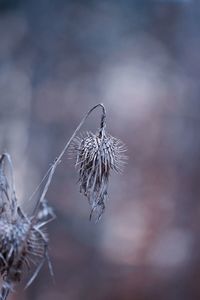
<point x="96" y="155"/>
<point x="23" y="242"/>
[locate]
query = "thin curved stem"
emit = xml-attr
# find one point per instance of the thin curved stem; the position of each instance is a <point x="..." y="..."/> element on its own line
<point x="39" y="185"/>
<point x="12" y="183"/>
<point x="51" y="171"/>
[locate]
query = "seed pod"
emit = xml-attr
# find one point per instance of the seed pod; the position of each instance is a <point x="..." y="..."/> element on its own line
<point x="96" y="155"/>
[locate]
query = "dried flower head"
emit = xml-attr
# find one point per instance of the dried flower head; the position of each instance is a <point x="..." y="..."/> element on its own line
<point x="23" y="243"/>
<point x="96" y="155"/>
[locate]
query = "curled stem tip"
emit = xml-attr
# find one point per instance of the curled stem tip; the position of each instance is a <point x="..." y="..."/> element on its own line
<point x="59" y="157"/>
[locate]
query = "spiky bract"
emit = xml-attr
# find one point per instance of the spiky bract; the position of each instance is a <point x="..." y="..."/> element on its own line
<point x="96" y="155"/>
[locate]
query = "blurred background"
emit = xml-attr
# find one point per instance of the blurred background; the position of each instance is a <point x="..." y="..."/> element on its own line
<point x="141" y="59"/>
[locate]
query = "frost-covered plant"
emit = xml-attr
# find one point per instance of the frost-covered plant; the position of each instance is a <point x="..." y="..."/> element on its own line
<point x="96" y="155"/>
<point x="23" y="241"/>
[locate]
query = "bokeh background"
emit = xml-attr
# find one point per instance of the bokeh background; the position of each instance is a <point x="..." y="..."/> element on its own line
<point x="142" y="60"/>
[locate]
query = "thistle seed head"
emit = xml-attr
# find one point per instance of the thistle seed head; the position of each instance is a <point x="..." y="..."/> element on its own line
<point x="23" y="243"/>
<point x="96" y="155"/>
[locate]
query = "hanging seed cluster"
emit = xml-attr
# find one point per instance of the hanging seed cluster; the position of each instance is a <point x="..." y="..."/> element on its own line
<point x="96" y="155"/>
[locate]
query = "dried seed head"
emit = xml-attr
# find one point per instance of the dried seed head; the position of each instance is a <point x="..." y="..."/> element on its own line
<point x="23" y="243"/>
<point x="96" y="155"/>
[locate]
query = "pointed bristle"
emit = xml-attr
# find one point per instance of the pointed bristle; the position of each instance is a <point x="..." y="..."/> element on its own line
<point x="96" y="155"/>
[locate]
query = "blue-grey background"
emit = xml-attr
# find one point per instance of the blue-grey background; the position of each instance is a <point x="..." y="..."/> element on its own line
<point x="142" y="60"/>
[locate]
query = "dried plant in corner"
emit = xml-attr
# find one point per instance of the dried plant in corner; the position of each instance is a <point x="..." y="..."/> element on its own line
<point x="23" y="241"/>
